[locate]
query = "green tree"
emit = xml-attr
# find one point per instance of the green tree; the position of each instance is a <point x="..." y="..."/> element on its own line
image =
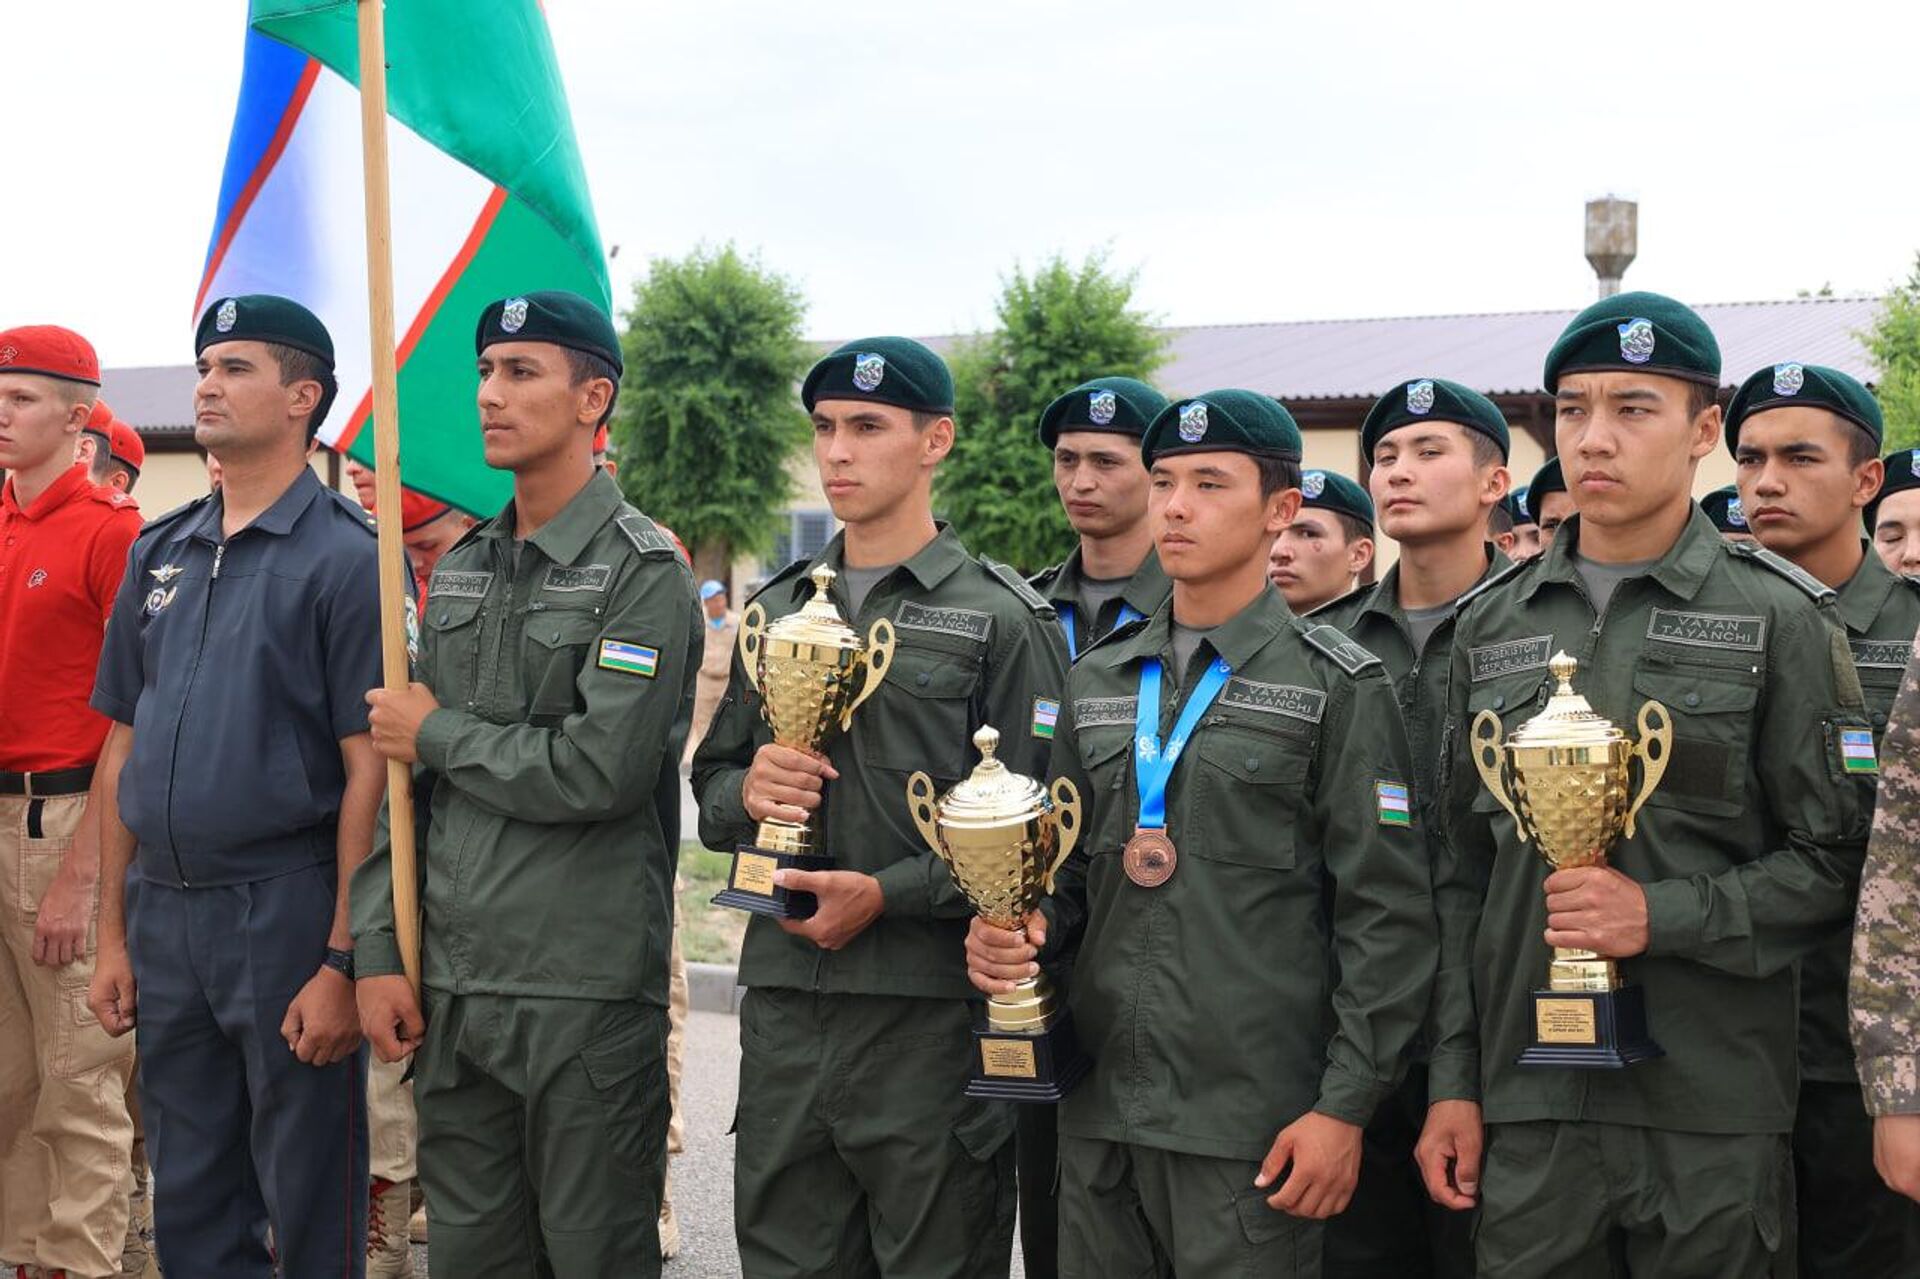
<point x="707" y="417"/>
<point x="1058" y="327"/>
<point x="1894" y="343"/>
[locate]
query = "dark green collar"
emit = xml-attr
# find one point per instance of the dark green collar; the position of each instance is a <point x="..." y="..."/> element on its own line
<point x="1237" y="639"/>
<point x="1865" y="593"/>
<point x="1682" y="570"/>
<point x="1384" y="599"/>
<point x="562" y="538"/>
<point x="1146" y="589"/>
<point x="931" y="565"/>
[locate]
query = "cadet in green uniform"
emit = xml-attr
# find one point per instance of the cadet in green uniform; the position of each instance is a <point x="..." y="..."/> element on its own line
<point x="561" y="644"/>
<point x="1549" y="501"/>
<point x="1252" y="907"/>
<point x="1744" y="858"/>
<point x="1320" y="555"/>
<point x="1526" y="526"/>
<point x="1806" y="441"/>
<point x="1439" y="454"/>
<point x="1893" y="518"/>
<point x="1724" y="509"/>
<point x="1111" y="578"/>
<point x="857" y="1148"/>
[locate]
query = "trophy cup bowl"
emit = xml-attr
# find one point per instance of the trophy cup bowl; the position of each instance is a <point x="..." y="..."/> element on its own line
<point x="1564" y="776"/>
<point x="1003" y="836"/>
<point x="811" y="670"/>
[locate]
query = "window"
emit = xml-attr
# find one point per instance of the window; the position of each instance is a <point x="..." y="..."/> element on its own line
<point x="806" y="535"/>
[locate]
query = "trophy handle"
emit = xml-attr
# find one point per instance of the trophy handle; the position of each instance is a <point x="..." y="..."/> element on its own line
<point x="876" y="661"/>
<point x="753" y="631"/>
<point x="920" y="803"/>
<point x="1066" y="820"/>
<point x="1485" y="736"/>
<point x="1653" y="748"/>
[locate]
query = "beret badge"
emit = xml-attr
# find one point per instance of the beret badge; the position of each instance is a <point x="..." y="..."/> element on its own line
<point x="227" y="316"/>
<point x="868" y="370"/>
<point x="1636" y="341"/>
<point x="1101" y="406"/>
<point x="1193" y="421"/>
<point x="1313" y="484"/>
<point x="1788" y="379"/>
<point x="1420" y="397"/>
<point x="513" y="315"/>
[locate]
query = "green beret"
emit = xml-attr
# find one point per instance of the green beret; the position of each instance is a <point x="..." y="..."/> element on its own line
<point x="551" y="315"/>
<point x="1547" y="479"/>
<point x="1636" y="331"/>
<point x="1903" y="473"/>
<point x="262" y="317"/>
<point x="1119" y="405"/>
<point x="1723" y="508"/>
<point x="1433" y="399"/>
<point x="1227" y="421"/>
<point x="1332" y="491"/>
<point x="896" y="371"/>
<point x="1787" y="385"/>
<point x="1517" y="506"/>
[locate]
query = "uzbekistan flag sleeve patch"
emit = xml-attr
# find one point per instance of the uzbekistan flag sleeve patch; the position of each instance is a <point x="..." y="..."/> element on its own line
<point x="1856" y="751"/>
<point x="629" y="659"/>
<point x="1046" y="714"/>
<point x="1393" y="804"/>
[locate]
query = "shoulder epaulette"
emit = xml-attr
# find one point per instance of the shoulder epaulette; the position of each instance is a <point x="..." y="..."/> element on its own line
<point x="791" y="571"/>
<point x="1018" y="585"/>
<point x="1346" y="653"/>
<point x="1816" y="589"/>
<point x="1489" y="582"/>
<point x="645" y="535"/>
<point x="118" y="499"/>
<point x="1046" y="577"/>
<point x="361" y="517"/>
<point x="160" y="523"/>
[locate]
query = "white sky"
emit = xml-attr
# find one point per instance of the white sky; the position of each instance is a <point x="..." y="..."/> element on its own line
<point x="1255" y="161"/>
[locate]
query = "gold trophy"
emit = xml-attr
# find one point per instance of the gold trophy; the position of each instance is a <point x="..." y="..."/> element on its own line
<point x="1003" y="836"/>
<point x="1563" y="776"/>
<point x="811" y="670"/>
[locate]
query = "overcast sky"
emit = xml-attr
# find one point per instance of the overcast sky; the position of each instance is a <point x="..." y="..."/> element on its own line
<point x="1254" y="161"/>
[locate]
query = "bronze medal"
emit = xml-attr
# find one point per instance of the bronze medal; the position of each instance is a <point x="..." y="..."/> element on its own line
<point x="1149" y="858"/>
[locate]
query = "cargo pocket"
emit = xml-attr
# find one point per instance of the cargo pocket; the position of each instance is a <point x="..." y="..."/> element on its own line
<point x="451" y="658"/>
<point x="919" y="717"/>
<point x="1107" y="757"/>
<point x="1249" y="797"/>
<point x="985" y="1138"/>
<point x="556" y="649"/>
<point x="1712" y="713"/>
<point x="1514" y="700"/>
<point x="80" y="1043"/>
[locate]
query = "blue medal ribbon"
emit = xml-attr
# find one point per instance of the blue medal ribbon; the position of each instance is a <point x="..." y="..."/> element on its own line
<point x="1128" y="613"/>
<point x="1153" y="763"/>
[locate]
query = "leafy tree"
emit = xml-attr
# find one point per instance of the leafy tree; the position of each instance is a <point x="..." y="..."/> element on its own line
<point x="1894" y="343"/>
<point x="1058" y="327"/>
<point x="707" y="417"/>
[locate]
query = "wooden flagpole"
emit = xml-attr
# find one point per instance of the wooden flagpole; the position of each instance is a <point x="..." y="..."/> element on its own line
<point x="386" y="468"/>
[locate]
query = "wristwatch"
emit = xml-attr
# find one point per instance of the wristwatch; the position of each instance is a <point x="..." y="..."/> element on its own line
<point x="341" y="961"/>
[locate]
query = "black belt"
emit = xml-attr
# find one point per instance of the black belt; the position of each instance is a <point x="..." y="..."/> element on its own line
<point x="47" y="785"/>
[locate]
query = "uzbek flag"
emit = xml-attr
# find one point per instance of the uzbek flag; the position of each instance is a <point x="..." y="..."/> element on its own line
<point x="489" y="199"/>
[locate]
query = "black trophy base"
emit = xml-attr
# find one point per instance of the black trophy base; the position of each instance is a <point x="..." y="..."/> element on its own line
<point x="1590" y="1030"/>
<point x="750" y="886"/>
<point x="1036" y="1066"/>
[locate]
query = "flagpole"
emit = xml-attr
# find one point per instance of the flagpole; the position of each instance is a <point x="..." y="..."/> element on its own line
<point x="386" y="468"/>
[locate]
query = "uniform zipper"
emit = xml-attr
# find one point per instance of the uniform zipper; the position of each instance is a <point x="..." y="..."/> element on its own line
<point x="173" y="764"/>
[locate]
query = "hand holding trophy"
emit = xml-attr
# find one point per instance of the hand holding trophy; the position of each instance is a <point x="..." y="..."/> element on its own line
<point x="1563" y="777"/>
<point x="811" y="670"/>
<point x="1003" y="836"/>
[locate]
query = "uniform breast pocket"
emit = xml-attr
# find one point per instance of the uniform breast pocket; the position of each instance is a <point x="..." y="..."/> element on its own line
<point x="1712" y="711"/>
<point x="450" y="655"/>
<point x="1514" y="701"/>
<point x="1248" y="797"/>
<point x="1107" y="757"/>
<point x="557" y="644"/>
<point x="919" y="717"/>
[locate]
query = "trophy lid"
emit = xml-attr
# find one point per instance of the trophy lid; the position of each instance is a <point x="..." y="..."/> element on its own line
<point x="993" y="795"/>
<point x="1567" y="719"/>
<point x="817" y="621"/>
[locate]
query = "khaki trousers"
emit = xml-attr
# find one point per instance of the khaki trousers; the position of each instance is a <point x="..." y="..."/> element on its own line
<point x="393" y="1129"/>
<point x="65" y="1134"/>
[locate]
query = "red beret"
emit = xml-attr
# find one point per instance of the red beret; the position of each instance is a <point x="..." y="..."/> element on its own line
<point x="99" y="419"/>
<point x="50" y="351"/>
<point x="125" y="446"/>
<point x="600" y="439"/>
<point x="417" y="510"/>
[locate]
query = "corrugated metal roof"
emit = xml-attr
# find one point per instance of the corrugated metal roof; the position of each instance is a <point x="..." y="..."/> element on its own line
<point x="1498" y="353"/>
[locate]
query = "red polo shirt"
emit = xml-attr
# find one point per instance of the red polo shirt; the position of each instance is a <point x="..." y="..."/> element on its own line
<point x="61" y="561"/>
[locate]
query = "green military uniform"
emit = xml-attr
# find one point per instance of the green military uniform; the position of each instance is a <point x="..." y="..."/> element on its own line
<point x="1748" y="852"/>
<point x="1064" y="587"/>
<point x="564" y="664"/>
<point x="1851" y="1224"/>
<point x="1284" y="965"/>
<point x="1375" y="1235"/>
<point x="856" y="1145"/>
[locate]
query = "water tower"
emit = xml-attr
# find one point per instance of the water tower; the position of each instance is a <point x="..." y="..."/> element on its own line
<point x="1613" y="240"/>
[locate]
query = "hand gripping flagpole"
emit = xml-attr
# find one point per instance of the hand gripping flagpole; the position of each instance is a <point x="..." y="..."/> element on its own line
<point x="386" y="469"/>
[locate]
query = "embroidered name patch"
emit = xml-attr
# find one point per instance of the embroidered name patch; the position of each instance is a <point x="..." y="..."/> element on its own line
<point x="1046" y="714"/>
<point x="1881" y="654"/>
<point x="1509" y="658"/>
<point x="587" y="577"/>
<point x="1393" y="803"/>
<point x="1089" y="712"/>
<point x="1308" y="704"/>
<point x="1708" y="630"/>
<point x="969" y="622"/>
<point x="1856" y="751"/>
<point x="629" y="659"/>
<point x="461" y="586"/>
<point x="645" y="537"/>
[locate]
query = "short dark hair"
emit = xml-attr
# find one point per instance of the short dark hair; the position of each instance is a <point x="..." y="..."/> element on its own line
<point x="1700" y="398"/>
<point x="297" y="365"/>
<point x="1861" y="448"/>
<point x="105" y="467"/>
<point x="584" y="367"/>
<point x="1485" y="449"/>
<point x="1499" y="519"/>
<point x="1276" y="473"/>
<point x="1352" y="527"/>
<point x="923" y="419"/>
